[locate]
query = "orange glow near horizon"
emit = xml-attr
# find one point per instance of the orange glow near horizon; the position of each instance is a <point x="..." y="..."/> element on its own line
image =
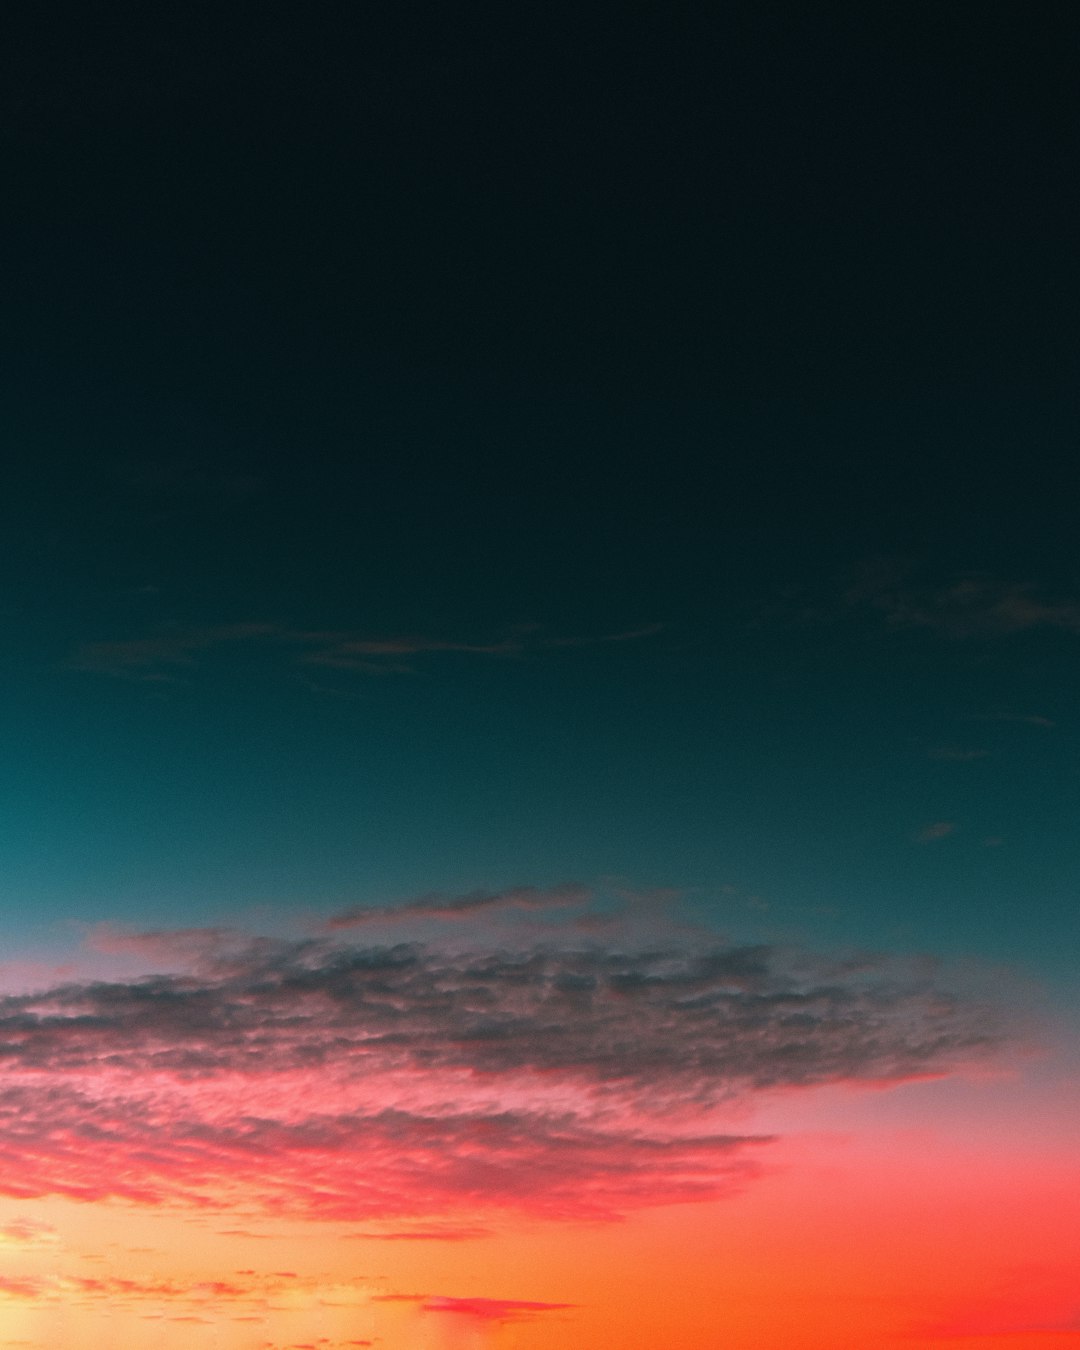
<point x="896" y="1238"/>
<point x="314" y="1146"/>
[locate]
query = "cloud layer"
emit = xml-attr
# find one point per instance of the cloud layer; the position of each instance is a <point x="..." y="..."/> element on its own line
<point x="403" y="1081"/>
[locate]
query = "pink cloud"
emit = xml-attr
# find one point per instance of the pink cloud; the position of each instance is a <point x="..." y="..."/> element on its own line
<point x="117" y="1291"/>
<point x="409" y="1082"/>
<point x="481" y="1309"/>
<point x="445" y="1233"/>
<point x="491" y="1309"/>
<point x="24" y="1232"/>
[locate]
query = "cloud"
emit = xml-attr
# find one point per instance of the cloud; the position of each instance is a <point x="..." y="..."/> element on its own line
<point x="445" y="1233"/>
<point x="482" y="1309"/>
<point x="323" y="1306"/>
<point x="116" y="1291"/>
<point x="409" y="1082"/>
<point x="161" y="656"/>
<point x="24" y="1232"/>
<point x="1029" y="719"/>
<point x="183" y="945"/>
<point x="940" y="829"/>
<point x="157" y="658"/>
<point x="465" y="906"/>
<point x="971" y="606"/>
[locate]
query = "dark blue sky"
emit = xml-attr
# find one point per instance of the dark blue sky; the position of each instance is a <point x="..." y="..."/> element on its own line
<point x="459" y="452"/>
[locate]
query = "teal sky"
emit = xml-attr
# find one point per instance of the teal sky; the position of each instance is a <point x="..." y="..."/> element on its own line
<point x="421" y="482"/>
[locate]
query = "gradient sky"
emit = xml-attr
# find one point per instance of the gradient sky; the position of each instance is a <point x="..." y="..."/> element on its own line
<point x="542" y="617"/>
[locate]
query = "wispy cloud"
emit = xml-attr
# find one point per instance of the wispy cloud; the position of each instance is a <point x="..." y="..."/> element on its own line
<point x="410" y="1082"/>
<point x="464" y="906"/>
<point x="164" y="655"/>
<point x="1028" y="719"/>
<point x="442" y="1233"/>
<point x="939" y="829"/>
<point x="28" y="1233"/>
<point x="481" y="1309"/>
<point x="969" y="606"/>
<point x="190" y="1300"/>
<point x="160" y="656"/>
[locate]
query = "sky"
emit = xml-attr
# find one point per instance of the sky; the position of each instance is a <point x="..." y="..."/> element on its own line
<point x="541" y="615"/>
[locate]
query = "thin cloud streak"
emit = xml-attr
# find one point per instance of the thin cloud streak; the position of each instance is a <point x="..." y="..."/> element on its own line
<point x="940" y="829"/>
<point x="464" y="906"/>
<point x="162" y="656"/>
<point x="482" y="1309"/>
<point x="1028" y="719"/>
<point x="971" y="606"/>
<point x="444" y="1234"/>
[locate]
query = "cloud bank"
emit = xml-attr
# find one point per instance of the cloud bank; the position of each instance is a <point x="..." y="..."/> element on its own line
<point x="404" y="1081"/>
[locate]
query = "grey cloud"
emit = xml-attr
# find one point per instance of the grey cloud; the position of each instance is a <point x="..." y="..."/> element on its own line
<point x="721" y="1017"/>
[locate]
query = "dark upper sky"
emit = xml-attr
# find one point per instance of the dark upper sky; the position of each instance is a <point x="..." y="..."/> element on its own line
<point x="711" y="369"/>
<point x="550" y="265"/>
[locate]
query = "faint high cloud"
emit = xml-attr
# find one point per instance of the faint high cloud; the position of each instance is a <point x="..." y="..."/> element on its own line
<point x="165" y="655"/>
<point x="159" y="658"/>
<point x="404" y="1082"/>
<point x="464" y="906"/>
<point x="1027" y="719"/>
<point x="970" y="606"/>
<point x="938" y="829"/>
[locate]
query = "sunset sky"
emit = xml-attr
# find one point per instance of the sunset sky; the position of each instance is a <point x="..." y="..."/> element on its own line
<point x="542" y="628"/>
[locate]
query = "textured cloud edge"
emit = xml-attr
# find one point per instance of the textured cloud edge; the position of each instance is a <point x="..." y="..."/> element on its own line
<point x="419" y="1081"/>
